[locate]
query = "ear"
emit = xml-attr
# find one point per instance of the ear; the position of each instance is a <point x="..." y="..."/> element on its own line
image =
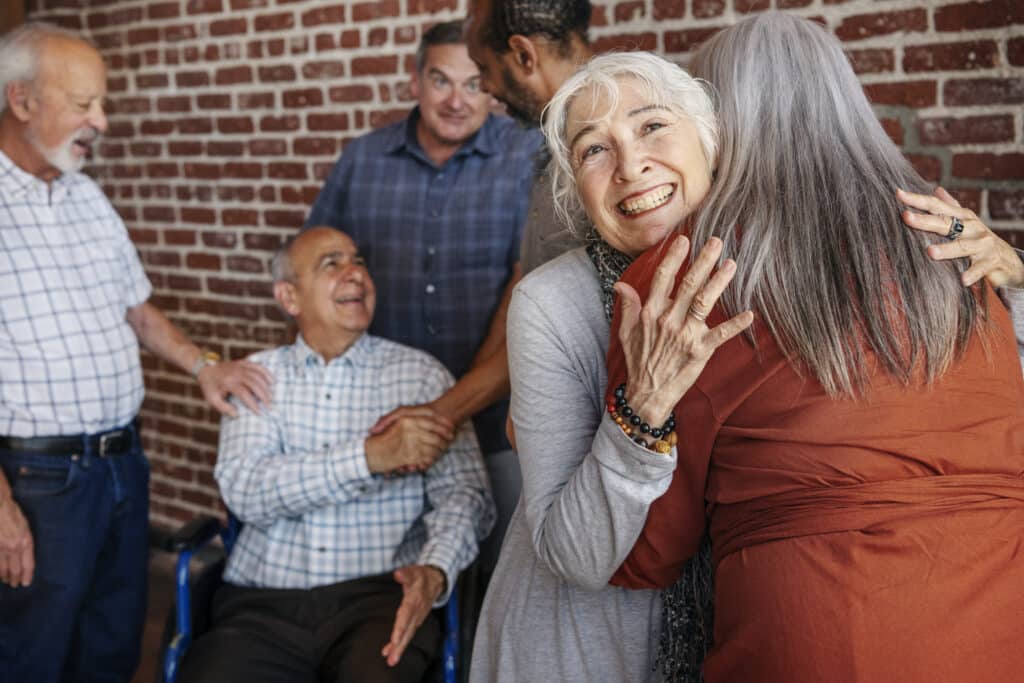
<point x="284" y="293"/>
<point x="414" y="85"/>
<point x="17" y="94"/>
<point x="525" y="54"/>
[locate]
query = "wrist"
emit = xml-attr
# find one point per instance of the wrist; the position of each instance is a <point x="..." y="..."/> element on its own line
<point x="441" y="579"/>
<point x="659" y="437"/>
<point x="205" y="359"/>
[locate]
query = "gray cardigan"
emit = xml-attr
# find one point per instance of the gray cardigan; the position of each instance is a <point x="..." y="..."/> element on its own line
<point x="549" y="613"/>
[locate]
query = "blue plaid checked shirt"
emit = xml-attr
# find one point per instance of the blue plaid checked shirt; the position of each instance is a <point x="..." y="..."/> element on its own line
<point x="69" y="360"/>
<point x="296" y="475"/>
<point x="441" y="242"/>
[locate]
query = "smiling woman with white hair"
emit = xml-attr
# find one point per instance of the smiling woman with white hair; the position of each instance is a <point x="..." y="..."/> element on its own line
<point x="859" y="451"/>
<point x="550" y="613"/>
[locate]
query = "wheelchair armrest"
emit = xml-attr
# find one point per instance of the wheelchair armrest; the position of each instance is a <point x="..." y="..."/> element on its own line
<point x="193" y="535"/>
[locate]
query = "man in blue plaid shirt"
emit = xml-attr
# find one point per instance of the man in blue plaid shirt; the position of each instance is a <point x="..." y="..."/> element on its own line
<point x="349" y="537"/>
<point x="437" y="203"/>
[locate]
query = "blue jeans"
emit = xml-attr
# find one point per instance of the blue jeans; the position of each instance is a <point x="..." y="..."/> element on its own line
<point x="81" y="618"/>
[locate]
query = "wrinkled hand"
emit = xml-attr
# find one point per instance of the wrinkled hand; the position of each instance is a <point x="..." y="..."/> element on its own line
<point x="665" y="340"/>
<point x="412" y="442"/>
<point x="421" y="586"/>
<point x="248" y="382"/>
<point x="991" y="257"/>
<point x="17" y="551"/>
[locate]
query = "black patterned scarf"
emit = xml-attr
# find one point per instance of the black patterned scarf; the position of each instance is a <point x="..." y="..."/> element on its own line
<point x="687" y="608"/>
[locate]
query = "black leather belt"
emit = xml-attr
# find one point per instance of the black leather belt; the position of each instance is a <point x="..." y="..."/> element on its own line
<point x="113" y="442"/>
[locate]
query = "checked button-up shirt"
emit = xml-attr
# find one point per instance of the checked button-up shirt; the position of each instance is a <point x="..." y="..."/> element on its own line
<point x="69" y="360"/>
<point x="296" y="474"/>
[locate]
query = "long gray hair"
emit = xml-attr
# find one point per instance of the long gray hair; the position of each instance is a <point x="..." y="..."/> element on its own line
<point x="665" y="83"/>
<point x="804" y="201"/>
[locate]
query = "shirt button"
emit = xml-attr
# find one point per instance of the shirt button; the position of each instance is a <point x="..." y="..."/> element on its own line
<point x="430" y="289"/>
<point x="431" y="250"/>
<point x="435" y="213"/>
<point x="328" y="396"/>
<point x="322" y="549"/>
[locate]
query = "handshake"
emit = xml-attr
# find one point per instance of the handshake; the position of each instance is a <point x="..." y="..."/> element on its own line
<point x="409" y="439"/>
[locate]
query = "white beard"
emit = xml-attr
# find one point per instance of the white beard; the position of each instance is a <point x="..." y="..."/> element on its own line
<point x="63" y="157"/>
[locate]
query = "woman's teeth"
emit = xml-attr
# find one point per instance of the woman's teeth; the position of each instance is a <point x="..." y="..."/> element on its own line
<point x="649" y="201"/>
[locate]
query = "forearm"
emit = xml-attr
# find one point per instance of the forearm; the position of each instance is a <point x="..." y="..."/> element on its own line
<point x="586" y="487"/>
<point x="480" y="387"/>
<point x="583" y="528"/>
<point x="260" y="484"/>
<point x="161" y="337"/>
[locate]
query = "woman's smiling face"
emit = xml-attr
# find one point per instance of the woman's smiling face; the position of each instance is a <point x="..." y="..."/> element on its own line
<point x="639" y="166"/>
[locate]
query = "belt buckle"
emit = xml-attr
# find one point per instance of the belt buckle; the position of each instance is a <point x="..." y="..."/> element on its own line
<point x="105" y="440"/>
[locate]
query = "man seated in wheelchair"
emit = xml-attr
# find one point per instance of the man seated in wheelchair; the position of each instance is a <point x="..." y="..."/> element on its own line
<point x="353" y="530"/>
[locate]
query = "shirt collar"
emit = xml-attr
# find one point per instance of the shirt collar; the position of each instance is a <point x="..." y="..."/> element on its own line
<point x="304" y="356"/>
<point x="18" y="182"/>
<point x="403" y="138"/>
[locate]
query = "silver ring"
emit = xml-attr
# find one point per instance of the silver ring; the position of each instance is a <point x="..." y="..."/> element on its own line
<point x="956" y="227"/>
<point x="697" y="314"/>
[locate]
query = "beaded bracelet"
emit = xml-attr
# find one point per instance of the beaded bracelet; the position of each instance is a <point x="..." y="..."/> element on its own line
<point x="634" y="427"/>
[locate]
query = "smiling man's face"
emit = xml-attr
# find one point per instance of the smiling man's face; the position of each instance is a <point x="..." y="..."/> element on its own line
<point x="65" y="106"/>
<point x="332" y="296"/>
<point x="453" y="106"/>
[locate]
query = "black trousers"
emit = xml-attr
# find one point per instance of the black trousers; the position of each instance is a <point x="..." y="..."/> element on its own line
<point x="331" y="634"/>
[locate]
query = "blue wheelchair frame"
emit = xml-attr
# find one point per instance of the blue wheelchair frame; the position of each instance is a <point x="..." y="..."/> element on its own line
<point x="195" y="535"/>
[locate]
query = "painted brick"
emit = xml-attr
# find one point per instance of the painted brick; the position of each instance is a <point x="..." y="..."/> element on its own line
<point x="688" y="40"/>
<point x="302" y="98"/>
<point x="1006" y="205"/>
<point x="370" y="11"/>
<point x="627" y="41"/>
<point x="872" y="60"/>
<point x="335" y="14"/>
<point x="374" y="66"/>
<point x="882" y="23"/>
<point x="979" y="15"/>
<point x="983" y="91"/>
<point x="668" y="9"/>
<point x="968" y="130"/>
<point x="915" y="94"/>
<point x="981" y="54"/>
<point x="989" y="166"/>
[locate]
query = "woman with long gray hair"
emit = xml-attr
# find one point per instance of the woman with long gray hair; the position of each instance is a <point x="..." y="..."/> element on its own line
<point x="863" y="440"/>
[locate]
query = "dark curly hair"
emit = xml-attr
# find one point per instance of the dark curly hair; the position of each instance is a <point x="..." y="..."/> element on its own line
<point x="556" y="20"/>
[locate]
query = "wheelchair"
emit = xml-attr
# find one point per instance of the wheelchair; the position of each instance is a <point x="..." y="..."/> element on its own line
<point x="189" y="617"/>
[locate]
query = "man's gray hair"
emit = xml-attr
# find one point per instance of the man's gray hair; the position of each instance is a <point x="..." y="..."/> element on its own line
<point x="665" y="83"/>
<point x="281" y="268"/>
<point x="804" y="200"/>
<point x="445" y="33"/>
<point x="20" y="52"/>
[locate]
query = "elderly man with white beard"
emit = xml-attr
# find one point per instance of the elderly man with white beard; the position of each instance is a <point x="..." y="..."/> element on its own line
<point x="73" y="312"/>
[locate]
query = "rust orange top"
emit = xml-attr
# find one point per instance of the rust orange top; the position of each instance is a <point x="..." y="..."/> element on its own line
<point x="854" y="540"/>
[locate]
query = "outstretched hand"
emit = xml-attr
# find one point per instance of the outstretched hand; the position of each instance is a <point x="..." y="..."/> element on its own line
<point x="665" y="340"/>
<point x="991" y="257"/>
<point x="421" y="587"/>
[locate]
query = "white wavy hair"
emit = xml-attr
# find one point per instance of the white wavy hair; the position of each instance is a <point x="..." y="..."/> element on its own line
<point x="664" y="83"/>
<point x="20" y="52"/>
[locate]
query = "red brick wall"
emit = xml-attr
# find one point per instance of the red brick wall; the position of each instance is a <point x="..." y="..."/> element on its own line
<point x="226" y="115"/>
